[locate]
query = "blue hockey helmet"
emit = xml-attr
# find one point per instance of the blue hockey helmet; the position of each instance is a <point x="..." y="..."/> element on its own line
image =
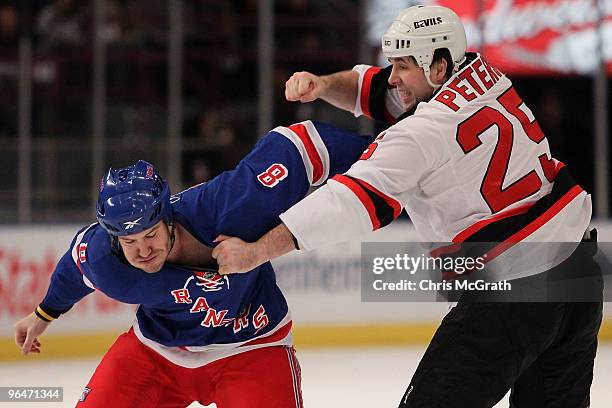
<point x="133" y="199"/>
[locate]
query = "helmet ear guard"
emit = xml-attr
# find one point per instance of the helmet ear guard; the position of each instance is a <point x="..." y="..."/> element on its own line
<point x="133" y="199"/>
<point x="420" y="30"/>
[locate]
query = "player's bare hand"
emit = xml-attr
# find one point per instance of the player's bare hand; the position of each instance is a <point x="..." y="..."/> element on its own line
<point x="304" y="87"/>
<point x="235" y="255"/>
<point x="27" y="331"/>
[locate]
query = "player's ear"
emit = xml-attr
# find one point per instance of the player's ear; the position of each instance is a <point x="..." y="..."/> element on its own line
<point x="438" y="71"/>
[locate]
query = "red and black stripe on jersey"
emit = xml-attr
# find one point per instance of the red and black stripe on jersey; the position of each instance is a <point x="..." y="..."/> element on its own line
<point x="368" y="80"/>
<point x="373" y="92"/>
<point x="496" y="235"/>
<point x="526" y="220"/>
<point x="381" y="208"/>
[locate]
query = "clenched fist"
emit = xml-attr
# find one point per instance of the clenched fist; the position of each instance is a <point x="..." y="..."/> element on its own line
<point x="304" y="87"/>
<point x="235" y="255"/>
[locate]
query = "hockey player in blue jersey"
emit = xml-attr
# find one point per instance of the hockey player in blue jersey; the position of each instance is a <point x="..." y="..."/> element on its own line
<point x="198" y="335"/>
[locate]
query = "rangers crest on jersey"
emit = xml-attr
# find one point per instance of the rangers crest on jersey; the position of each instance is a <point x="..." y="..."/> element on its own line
<point x="211" y="281"/>
<point x="208" y="281"/>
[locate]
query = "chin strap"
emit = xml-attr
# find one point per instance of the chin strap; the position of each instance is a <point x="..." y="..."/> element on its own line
<point x="172" y="235"/>
<point x="429" y="81"/>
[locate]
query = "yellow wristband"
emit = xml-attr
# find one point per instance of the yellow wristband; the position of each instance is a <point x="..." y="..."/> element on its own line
<point x="42" y="313"/>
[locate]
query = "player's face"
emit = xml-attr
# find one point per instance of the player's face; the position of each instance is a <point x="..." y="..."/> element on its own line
<point x="148" y="249"/>
<point x="410" y="81"/>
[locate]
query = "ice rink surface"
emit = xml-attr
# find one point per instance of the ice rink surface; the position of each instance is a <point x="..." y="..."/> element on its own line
<point x="331" y="378"/>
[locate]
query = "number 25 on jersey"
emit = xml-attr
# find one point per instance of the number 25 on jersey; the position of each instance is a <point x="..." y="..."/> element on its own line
<point x="468" y="137"/>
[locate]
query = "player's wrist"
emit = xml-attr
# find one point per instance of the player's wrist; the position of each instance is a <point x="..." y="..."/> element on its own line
<point x="325" y="84"/>
<point x="260" y="253"/>
<point x="45" y="315"/>
<point x="275" y="243"/>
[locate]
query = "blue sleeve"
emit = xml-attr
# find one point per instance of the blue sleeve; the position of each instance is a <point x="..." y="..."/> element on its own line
<point x="344" y="147"/>
<point x="66" y="288"/>
<point x="276" y="174"/>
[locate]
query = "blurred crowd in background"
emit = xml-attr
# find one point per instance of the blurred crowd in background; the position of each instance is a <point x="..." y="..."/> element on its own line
<point x="219" y="89"/>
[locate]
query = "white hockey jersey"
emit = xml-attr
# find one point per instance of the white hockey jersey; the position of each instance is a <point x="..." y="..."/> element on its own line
<point x="471" y="164"/>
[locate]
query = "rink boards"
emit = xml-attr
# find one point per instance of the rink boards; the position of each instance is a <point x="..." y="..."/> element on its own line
<point x="322" y="288"/>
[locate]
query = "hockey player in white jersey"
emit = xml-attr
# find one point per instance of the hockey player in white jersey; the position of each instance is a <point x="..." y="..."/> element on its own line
<point x="468" y="161"/>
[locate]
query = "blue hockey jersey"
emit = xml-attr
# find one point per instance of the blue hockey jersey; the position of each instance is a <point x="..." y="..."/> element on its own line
<point x="182" y="310"/>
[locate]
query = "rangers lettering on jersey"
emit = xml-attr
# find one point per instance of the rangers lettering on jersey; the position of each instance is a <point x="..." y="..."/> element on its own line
<point x="242" y="320"/>
<point x="260" y="319"/>
<point x="215" y="319"/>
<point x="200" y="305"/>
<point x="181" y="296"/>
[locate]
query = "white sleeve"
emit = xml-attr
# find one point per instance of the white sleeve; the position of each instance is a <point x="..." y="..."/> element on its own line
<point x="367" y="197"/>
<point x="361" y="69"/>
<point x="329" y="215"/>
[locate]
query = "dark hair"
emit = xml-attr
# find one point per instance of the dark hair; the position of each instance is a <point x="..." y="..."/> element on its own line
<point x="444" y="53"/>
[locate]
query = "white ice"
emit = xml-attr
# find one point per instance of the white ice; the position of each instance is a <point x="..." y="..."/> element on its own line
<point x="334" y="378"/>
